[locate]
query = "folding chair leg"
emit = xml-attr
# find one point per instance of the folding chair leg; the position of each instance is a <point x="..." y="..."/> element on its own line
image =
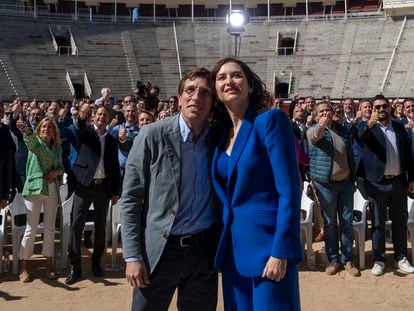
<point x="114" y="248"/>
<point x="309" y="248"/>
<point x="16" y="246"/>
<point x="361" y="250"/>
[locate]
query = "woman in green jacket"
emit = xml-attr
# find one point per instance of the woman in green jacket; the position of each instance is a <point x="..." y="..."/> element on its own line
<point x="43" y="172"/>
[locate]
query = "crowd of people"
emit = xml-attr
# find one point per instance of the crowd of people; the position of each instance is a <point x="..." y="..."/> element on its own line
<point x="211" y="179"/>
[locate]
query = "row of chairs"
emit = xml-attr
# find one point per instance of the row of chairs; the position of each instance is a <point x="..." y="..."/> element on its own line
<point x="17" y="211"/>
<point x="359" y="225"/>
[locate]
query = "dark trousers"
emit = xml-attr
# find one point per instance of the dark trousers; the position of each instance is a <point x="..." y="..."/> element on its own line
<point x="190" y="269"/>
<point x="391" y="193"/>
<point x="82" y="200"/>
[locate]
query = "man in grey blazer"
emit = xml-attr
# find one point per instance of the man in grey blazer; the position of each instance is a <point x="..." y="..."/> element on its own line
<point x="168" y="212"/>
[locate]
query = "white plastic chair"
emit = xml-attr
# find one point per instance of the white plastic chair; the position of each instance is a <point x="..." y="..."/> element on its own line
<point x="17" y="210"/>
<point x="63" y="192"/>
<point x="359" y="225"/>
<point x="410" y="225"/>
<point x="3" y="220"/>
<point x="116" y="231"/>
<point x="306" y="224"/>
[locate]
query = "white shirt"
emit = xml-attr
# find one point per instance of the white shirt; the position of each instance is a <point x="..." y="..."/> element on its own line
<point x="392" y="165"/>
<point x="100" y="170"/>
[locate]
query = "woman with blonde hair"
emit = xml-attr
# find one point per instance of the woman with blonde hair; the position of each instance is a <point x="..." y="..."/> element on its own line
<point x="43" y="175"/>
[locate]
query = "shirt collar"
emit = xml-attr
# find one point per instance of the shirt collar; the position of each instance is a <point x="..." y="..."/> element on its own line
<point x="97" y="131"/>
<point x="185" y="131"/>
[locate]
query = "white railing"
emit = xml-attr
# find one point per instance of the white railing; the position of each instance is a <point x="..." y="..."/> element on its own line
<point x="87" y="86"/>
<point x="70" y="84"/>
<point x="55" y="45"/>
<point x="65" y="50"/>
<point x="3" y="65"/>
<point x="85" y="14"/>
<point x="73" y="44"/>
<point x="178" y="51"/>
<point x="277" y="42"/>
<point x="294" y="43"/>
<point x="394" y="50"/>
<point x="392" y="4"/>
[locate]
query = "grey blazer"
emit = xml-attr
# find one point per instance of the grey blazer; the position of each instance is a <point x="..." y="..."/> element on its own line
<point x="151" y="190"/>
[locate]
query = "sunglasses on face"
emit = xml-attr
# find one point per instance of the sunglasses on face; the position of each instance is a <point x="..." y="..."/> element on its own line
<point x="383" y="106"/>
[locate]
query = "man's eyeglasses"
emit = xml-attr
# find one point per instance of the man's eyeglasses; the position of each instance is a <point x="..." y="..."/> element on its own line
<point x="383" y="106"/>
<point x="201" y="91"/>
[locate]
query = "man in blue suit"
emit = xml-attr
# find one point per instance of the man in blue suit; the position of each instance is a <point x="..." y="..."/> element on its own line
<point x="97" y="181"/>
<point x="388" y="164"/>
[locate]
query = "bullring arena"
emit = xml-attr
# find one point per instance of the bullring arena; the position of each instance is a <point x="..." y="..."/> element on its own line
<point x="55" y="49"/>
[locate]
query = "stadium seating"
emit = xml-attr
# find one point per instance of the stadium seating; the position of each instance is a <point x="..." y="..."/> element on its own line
<point x="355" y="54"/>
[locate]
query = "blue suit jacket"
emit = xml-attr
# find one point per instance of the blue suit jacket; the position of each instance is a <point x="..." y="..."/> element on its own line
<point x="261" y="212"/>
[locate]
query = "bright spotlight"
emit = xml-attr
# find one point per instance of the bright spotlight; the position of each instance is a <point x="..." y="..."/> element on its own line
<point x="236" y="19"/>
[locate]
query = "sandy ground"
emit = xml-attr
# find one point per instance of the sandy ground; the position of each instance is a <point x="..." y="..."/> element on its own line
<point x="392" y="291"/>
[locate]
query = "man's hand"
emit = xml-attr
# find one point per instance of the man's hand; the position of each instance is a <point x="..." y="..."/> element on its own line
<point x="136" y="274"/>
<point x="51" y="176"/>
<point x="84" y="110"/>
<point x="411" y="187"/>
<point x="114" y="199"/>
<point x="358" y="116"/>
<point x="114" y="122"/>
<point x="3" y="203"/>
<point x="373" y="119"/>
<point x="275" y="269"/>
<point x="122" y="135"/>
<point x="323" y="121"/>
<point x="410" y="124"/>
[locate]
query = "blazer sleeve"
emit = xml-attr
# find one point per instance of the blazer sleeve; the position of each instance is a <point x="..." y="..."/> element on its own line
<point x="280" y="144"/>
<point x="33" y="144"/>
<point x="133" y="195"/>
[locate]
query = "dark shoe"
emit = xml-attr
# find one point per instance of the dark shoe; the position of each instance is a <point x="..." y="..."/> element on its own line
<point x="73" y="276"/>
<point x="87" y="241"/>
<point x="97" y="270"/>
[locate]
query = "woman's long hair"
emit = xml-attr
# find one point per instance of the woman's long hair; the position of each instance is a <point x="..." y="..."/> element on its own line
<point x="55" y="139"/>
<point x="257" y="98"/>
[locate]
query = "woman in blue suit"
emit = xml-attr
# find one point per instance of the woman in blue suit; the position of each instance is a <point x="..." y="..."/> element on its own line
<point x="255" y="175"/>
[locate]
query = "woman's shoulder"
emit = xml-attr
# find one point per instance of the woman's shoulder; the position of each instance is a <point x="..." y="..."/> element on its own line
<point x="270" y="115"/>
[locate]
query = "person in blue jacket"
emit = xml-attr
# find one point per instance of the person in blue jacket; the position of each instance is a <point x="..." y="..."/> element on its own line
<point x="255" y="175"/>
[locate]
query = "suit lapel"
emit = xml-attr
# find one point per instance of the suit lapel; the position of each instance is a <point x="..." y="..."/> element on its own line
<point x="173" y="148"/>
<point x="239" y="144"/>
<point x="221" y="192"/>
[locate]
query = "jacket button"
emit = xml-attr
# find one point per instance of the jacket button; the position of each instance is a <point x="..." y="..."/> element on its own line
<point x="166" y="235"/>
<point x="173" y="212"/>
